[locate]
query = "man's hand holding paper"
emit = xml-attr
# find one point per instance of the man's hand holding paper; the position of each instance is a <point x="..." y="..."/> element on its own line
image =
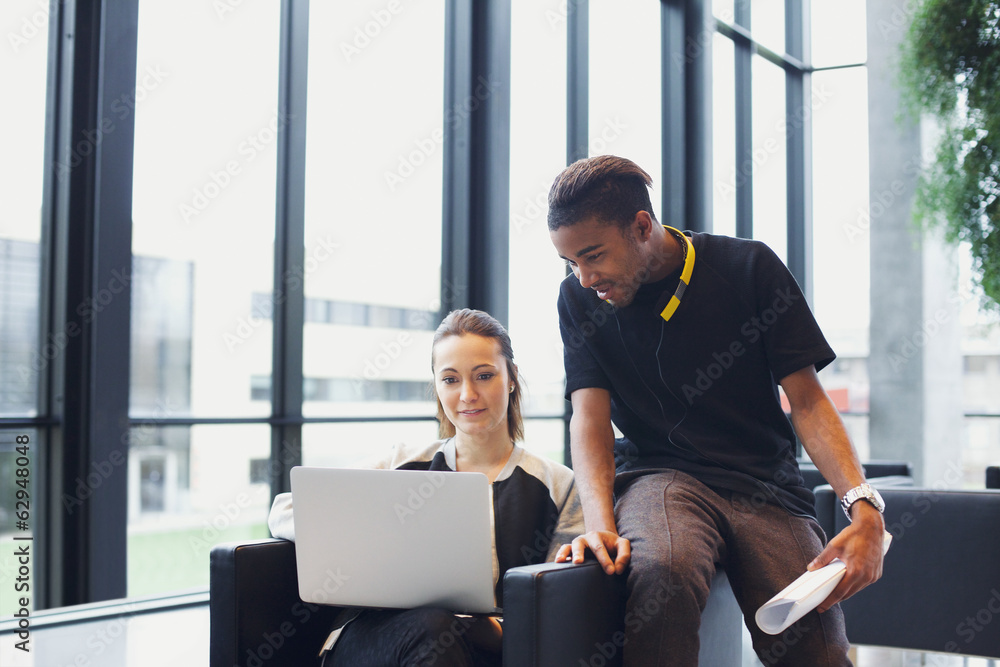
<point x="860" y="547"/>
<point x="821" y="585"/>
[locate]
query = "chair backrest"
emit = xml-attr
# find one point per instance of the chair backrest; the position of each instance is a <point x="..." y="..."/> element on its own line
<point x="813" y="478"/>
<point x="940" y="585"/>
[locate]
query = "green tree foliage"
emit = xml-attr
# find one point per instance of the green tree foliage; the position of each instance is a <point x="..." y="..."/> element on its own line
<point x="950" y="68"/>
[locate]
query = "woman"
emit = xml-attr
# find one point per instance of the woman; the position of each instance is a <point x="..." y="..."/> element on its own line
<point x="479" y="413"/>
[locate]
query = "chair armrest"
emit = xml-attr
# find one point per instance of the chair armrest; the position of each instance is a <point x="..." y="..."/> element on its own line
<point x="566" y="614"/>
<point x="256" y="616"/>
<point x="940" y="579"/>
<point x="561" y="614"/>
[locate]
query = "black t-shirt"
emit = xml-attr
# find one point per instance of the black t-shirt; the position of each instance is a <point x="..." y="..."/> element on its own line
<point x="699" y="393"/>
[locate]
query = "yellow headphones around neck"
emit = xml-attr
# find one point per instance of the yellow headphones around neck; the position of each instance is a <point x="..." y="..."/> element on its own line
<point x="686" y="272"/>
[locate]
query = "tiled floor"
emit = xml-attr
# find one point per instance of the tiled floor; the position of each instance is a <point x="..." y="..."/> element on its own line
<point x="135" y="638"/>
<point x="873" y="656"/>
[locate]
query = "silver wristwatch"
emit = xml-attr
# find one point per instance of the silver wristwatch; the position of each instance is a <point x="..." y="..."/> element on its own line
<point x="862" y="492"/>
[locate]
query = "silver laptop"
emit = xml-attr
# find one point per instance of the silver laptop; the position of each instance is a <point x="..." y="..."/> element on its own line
<point x="393" y="538"/>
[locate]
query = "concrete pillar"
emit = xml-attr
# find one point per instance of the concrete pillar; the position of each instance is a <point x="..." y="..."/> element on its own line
<point x="915" y="364"/>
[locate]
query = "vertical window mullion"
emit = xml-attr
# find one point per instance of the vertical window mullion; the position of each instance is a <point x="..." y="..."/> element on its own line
<point x="577" y="80"/>
<point x="476" y="194"/>
<point x="674" y="92"/>
<point x="686" y="90"/>
<point x="577" y="123"/>
<point x="699" y="25"/>
<point x="456" y="237"/>
<point x="289" y="246"/>
<point x="52" y="312"/>
<point x="799" y="145"/>
<point x="89" y="236"/>
<point x="743" y="50"/>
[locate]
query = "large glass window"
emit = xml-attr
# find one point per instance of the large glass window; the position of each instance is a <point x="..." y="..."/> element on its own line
<point x="352" y="443"/>
<point x="206" y="133"/>
<point x="537" y="155"/>
<point x="841" y="213"/>
<point x="837" y="110"/>
<point x="23" y="358"/>
<point x="838" y="35"/>
<point x="767" y="20"/>
<point x="206" y="126"/>
<point x="841" y="223"/>
<point x="22" y="72"/>
<point x="191" y="487"/>
<point x="625" y="100"/>
<point x="374" y="161"/>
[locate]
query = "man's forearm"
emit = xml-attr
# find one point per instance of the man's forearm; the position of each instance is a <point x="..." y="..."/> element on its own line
<point x="819" y="426"/>
<point x="822" y="431"/>
<point x="594" y="468"/>
<point x="836" y="458"/>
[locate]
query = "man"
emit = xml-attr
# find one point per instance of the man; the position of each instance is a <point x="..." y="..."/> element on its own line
<point x="682" y="341"/>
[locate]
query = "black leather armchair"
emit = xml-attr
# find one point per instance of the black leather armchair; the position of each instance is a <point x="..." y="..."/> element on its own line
<point x="555" y="614"/>
<point x="255" y="612"/>
<point x="940" y="585"/>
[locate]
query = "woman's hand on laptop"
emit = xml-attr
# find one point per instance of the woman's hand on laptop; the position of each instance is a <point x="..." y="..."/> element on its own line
<point x="612" y="551"/>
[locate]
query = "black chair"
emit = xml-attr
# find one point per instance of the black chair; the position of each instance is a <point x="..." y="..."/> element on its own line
<point x="559" y="614"/>
<point x="554" y="614"/>
<point x="255" y="612"/>
<point x="940" y="585"/>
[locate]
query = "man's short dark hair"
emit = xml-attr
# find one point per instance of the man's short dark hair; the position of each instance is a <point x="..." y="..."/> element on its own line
<point x="608" y="188"/>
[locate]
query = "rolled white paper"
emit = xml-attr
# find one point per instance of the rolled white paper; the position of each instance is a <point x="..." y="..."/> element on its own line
<point x="803" y="595"/>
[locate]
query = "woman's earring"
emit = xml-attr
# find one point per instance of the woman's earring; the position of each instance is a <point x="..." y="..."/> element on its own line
<point x="511" y="390"/>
